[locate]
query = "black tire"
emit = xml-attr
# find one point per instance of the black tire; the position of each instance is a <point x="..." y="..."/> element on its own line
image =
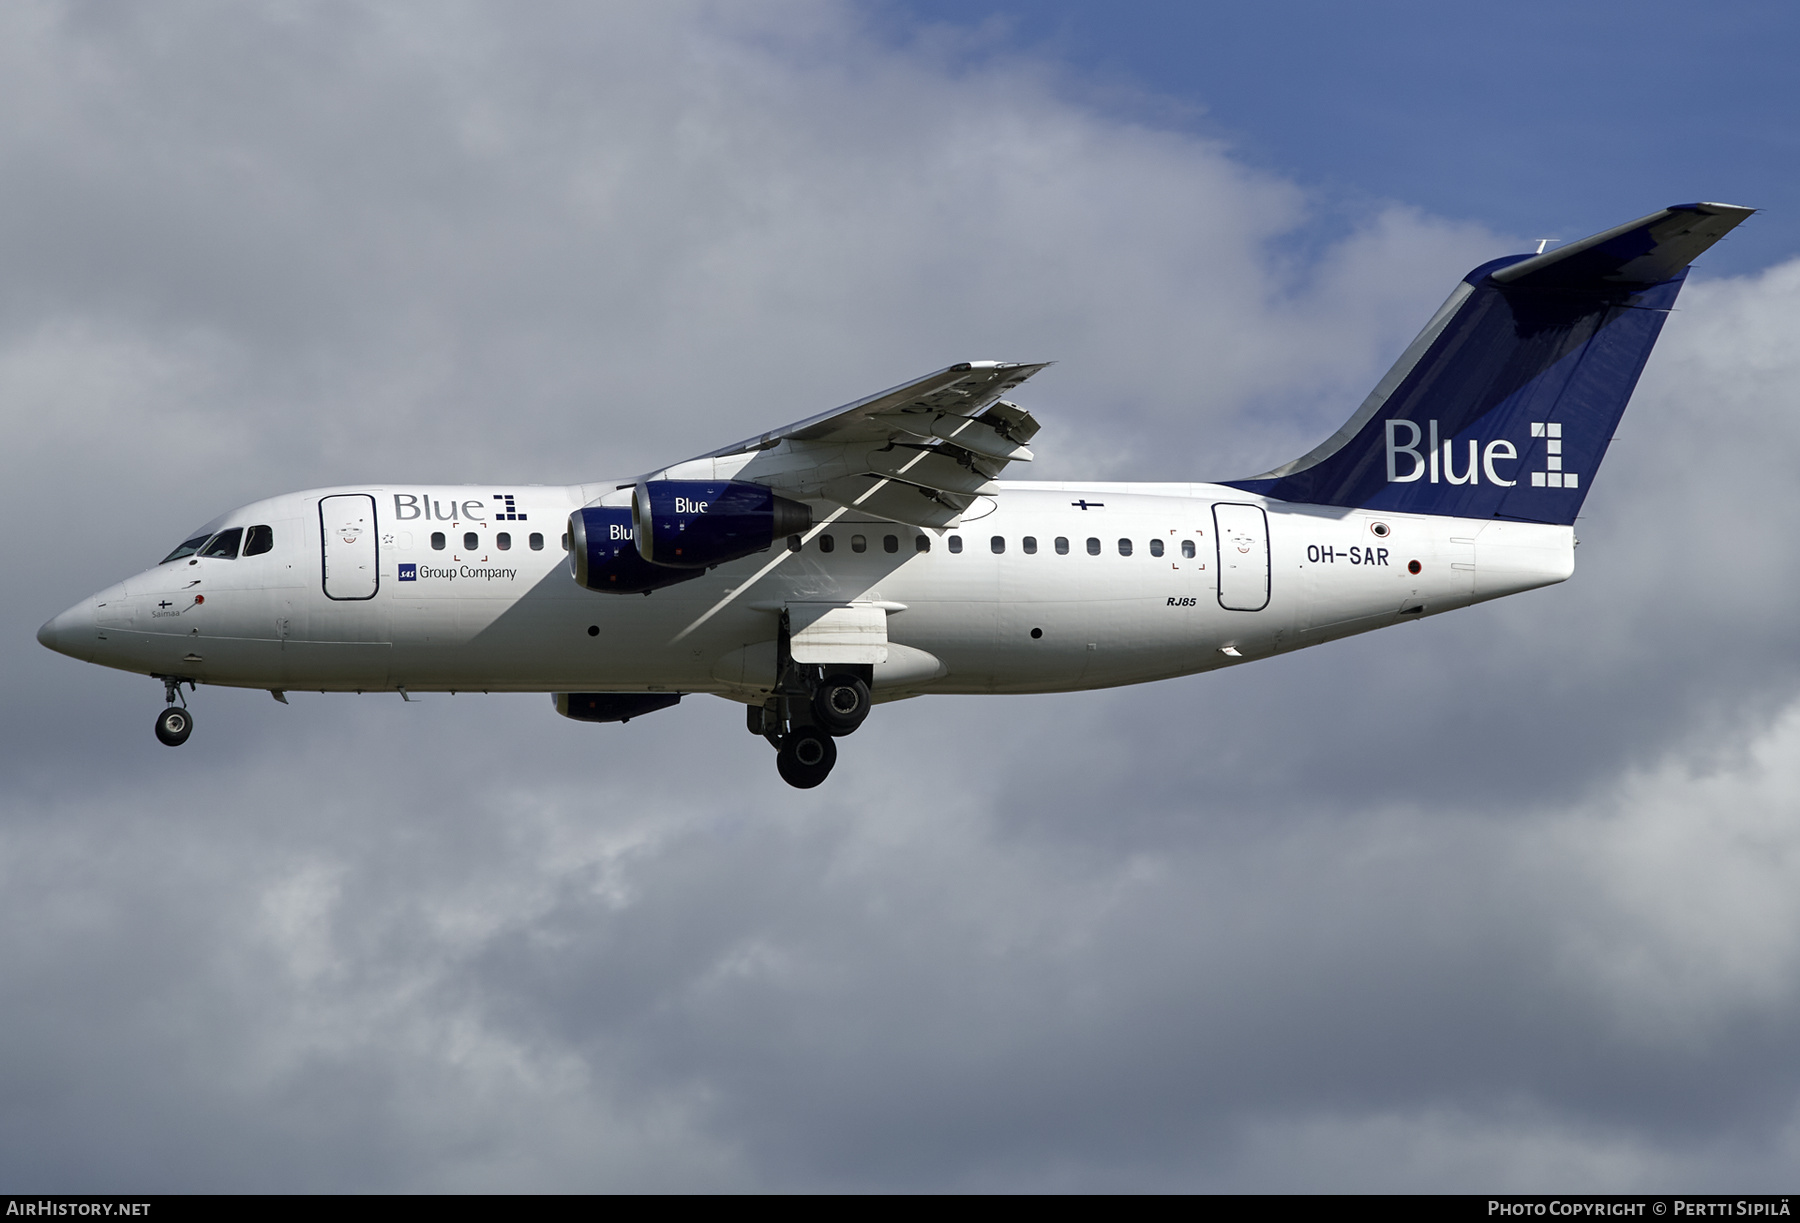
<point x="841" y="703"/>
<point x="806" y="757"/>
<point x="173" y="726"/>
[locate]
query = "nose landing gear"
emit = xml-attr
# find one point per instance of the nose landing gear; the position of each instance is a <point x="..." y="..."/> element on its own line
<point x="174" y="724"/>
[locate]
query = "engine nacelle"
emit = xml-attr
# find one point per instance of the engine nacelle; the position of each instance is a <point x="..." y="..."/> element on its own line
<point x="612" y="706"/>
<point x="693" y="524"/>
<point x="603" y="554"/>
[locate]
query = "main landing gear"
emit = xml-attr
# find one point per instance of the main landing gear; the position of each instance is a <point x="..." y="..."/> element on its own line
<point x="805" y="757"/>
<point x="840" y="702"/>
<point x="803" y="719"/>
<point x="174" y="724"/>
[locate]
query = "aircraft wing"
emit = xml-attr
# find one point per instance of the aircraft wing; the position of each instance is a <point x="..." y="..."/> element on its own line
<point x="919" y="453"/>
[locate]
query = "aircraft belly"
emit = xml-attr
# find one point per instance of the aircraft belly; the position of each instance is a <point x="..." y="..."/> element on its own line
<point x="539" y="641"/>
<point x="959" y="634"/>
<point x="360" y="666"/>
<point x="1052" y="662"/>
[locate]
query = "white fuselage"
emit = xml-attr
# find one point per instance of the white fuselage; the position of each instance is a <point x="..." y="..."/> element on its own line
<point x="990" y="617"/>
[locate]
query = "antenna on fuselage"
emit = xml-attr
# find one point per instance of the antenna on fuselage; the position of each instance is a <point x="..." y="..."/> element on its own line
<point x="1543" y="242"/>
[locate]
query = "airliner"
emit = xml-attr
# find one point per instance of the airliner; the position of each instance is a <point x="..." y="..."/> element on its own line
<point x="874" y="553"/>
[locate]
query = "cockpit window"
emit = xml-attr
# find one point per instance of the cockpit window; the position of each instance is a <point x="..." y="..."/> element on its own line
<point x="258" y="541"/>
<point x="188" y="548"/>
<point x="224" y="545"/>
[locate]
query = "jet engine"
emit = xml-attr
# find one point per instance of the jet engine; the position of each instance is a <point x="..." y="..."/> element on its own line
<point x="604" y="556"/>
<point x="695" y="524"/>
<point x="675" y="530"/>
<point x="612" y="706"/>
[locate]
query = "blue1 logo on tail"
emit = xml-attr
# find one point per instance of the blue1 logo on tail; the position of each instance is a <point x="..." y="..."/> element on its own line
<point x="1482" y="459"/>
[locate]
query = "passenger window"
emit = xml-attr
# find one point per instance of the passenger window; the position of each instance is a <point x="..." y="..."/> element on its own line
<point x="1029" y="543"/>
<point x="565" y="541"/>
<point x="890" y="543"/>
<point x="1187" y="548"/>
<point x="1093" y="546"/>
<point x="471" y="541"/>
<point x="258" y="541"/>
<point x="224" y="545"/>
<point x="859" y="543"/>
<point x="956" y="543"/>
<point x="1062" y="545"/>
<point x="503" y="541"/>
<point x="921" y="543"/>
<point x="998" y="544"/>
<point x="794" y="543"/>
<point x="536" y="541"/>
<point x="827" y="543"/>
<point x="1124" y="547"/>
<point x="1156" y="547"/>
<point x="437" y="541"/>
<point x="187" y="548"/>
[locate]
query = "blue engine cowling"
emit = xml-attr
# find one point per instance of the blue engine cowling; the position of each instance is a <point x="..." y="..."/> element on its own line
<point x="603" y="554"/>
<point x="694" y="524"/>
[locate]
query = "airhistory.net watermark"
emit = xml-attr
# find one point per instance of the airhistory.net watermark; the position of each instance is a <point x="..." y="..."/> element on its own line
<point x="55" y="1208"/>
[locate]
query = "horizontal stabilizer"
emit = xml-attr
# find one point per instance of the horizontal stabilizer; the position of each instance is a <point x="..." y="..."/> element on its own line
<point x="1643" y="252"/>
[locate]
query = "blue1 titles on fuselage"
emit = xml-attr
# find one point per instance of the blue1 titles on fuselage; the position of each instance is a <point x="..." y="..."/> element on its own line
<point x="875" y="552"/>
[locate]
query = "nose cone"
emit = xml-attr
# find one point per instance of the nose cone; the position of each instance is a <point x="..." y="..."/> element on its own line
<point x="68" y="632"/>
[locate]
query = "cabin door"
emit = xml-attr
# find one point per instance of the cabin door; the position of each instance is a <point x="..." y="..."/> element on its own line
<point x="1242" y="533"/>
<point x="347" y="525"/>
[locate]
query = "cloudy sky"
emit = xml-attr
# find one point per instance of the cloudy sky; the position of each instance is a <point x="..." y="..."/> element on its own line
<point x="1502" y="900"/>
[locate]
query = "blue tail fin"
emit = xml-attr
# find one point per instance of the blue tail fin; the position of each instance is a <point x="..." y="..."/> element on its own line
<point x="1504" y="405"/>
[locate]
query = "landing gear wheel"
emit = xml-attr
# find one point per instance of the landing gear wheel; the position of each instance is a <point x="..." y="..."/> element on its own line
<point x="173" y="726"/>
<point x="806" y="757"/>
<point x="840" y="703"/>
